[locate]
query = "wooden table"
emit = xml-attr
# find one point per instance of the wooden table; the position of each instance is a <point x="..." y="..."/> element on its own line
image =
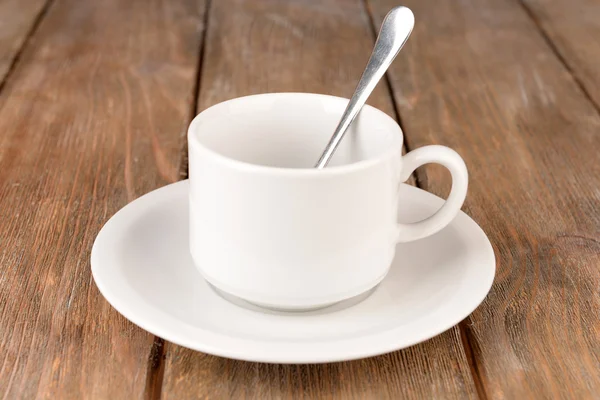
<point x="95" y="98"/>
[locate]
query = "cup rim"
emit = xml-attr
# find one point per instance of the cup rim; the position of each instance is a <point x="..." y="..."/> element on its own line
<point x="394" y="150"/>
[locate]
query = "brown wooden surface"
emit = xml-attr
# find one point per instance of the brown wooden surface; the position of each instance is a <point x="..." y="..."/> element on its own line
<point x="491" y="88"/>
<point x="91" y="118"/>
<point x="273" y="46"/>
<point x="93" y="111"/>
<point x="18" y="19"/>
<point x="573" y="29"/>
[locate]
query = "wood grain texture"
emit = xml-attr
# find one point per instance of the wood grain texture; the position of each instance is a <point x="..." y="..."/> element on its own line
<point x="322" y="47"/>
<point x="480" y="78"/>
<point x="17" y="20"/>
<point x="573" y="27"/>
<point x="432" y="370"/>
<point x="92" y="118"/>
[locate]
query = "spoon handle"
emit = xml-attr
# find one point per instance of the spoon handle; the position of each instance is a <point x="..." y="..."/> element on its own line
<point x="394" y="32"/>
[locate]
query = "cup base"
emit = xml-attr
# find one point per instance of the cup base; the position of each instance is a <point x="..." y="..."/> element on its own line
<point x="263" y="307"/>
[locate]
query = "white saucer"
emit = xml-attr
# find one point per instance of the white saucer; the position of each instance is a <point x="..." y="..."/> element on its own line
<point x="141" y="264"/>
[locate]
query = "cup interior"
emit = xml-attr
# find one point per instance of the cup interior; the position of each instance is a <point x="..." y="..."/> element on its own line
<point x="290" y="130"/>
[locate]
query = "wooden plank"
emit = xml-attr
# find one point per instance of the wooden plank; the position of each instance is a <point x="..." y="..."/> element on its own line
<point x="92" y="118"/>
<point x="18" y="19"/>
<point x="481" y="79"/>
<point x="573" y="27"/>
<point x="322" y="47"/>
<point x="431" y="370"/>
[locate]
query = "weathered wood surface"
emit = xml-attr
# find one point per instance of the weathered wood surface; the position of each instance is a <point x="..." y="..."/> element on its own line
<point x="481" y="78"/>
<point x="18" y="20"/>
<point x="321" y="47"/>
<point x="92" y="117"/>
<point x="95" y="98"/>
<point x="573" y="30"/>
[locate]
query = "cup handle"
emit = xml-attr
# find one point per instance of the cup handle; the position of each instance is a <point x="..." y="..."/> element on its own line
<point x="454" y="163"/>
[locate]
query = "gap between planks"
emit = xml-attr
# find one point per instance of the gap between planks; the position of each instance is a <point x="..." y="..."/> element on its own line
<point x="156" y="370"/>
<point x="156" y="360"/>
<point x="468" y="348"/>
<point x="17" y="56"/>
<point x="554" y="49"/>
<point x="183" y="162"/>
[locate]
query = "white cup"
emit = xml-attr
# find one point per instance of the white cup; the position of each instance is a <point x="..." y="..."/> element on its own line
<point x="267" y="227"/>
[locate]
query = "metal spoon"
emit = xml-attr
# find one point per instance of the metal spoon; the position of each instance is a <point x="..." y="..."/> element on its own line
<point x="394" y="32"/>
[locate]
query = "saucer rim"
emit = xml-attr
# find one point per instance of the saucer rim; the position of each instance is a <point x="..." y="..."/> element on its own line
<point x="139" y="312"/>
